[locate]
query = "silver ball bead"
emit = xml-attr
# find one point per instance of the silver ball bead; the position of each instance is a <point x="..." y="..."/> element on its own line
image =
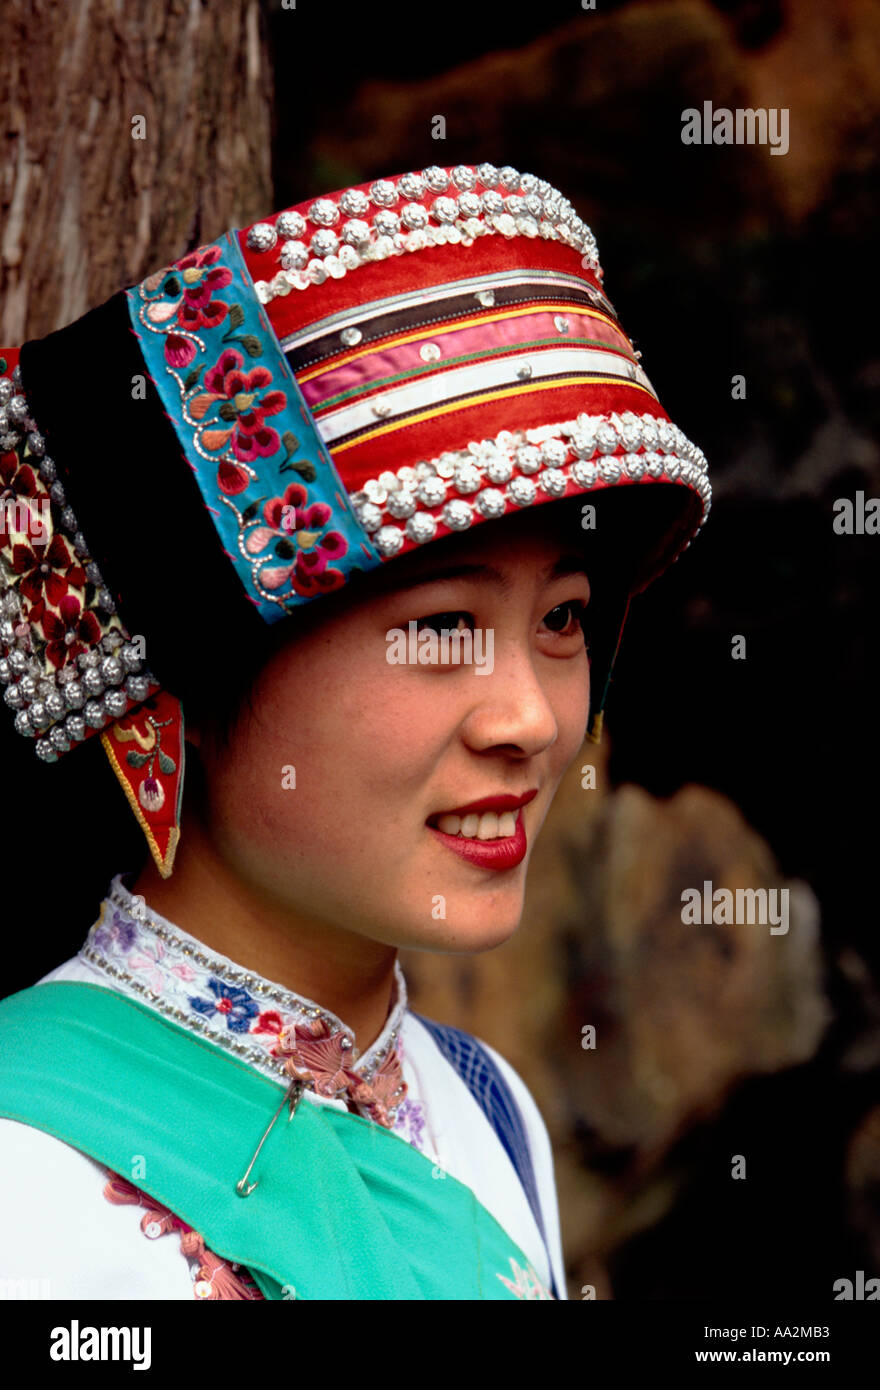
<point x="111" y="670"/>
<point x="137" y="688"/>
<point x="421" y="528"/>
<point x="94" y="714"/>
<point x="383" y="193"/>
<point x="39" y="715"/>
<point x="261" y="237"/>
<point x="130" y="657"/>
<point x="74" y="695"/>
<point x="457" y="514"/>
<point x="59" y="740"/>
<point x="521" y="491"/>
<point x="411" y="186"/>
<point x="294" y="255"/>
<point x="388" y="540"/>
<point x="290" y="225"/>
<point x="46" y="752"/>
<point x="436" y="179"/>
<point x="75" y="726"/>
<point x="324" y="212"/>
<point x="116" y="703"/>
<point x="431" y="492"/>
<point x="401" y="504"/>
<point x="55" y="704"/>
<point x="23" y="724"/>
<point x="324" y="242"/>
<point x="355" y="231"/>
<point x="491" y="503"/>
<point x="354" y="203"/>
<point x="93" y="682"/>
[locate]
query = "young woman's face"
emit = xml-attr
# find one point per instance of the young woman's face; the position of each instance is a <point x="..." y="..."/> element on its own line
<point x="381" y="749"/>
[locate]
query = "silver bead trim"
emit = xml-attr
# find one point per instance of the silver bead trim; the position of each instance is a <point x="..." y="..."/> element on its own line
<point x="367" y="1063"/>
<point x="519" y="468"/>
<point x="42" y="699"/>
<point x="473" y="202"/>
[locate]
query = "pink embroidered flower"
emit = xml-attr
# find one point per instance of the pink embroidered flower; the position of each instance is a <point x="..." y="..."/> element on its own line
<point x="202" y="277"/>
<point x="295" y="528"/>
<point x="385" y="1089"/>
<point x="250" y="437"/>
<point x="71" y="633"/>
<point x="316" y="1054"/>
<point x="272" y="1023"/>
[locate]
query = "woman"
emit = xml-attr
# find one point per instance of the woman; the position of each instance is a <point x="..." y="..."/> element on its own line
<point x="369" y="591"/>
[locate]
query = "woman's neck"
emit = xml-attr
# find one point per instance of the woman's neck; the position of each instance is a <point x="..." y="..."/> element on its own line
<point x="350" y="975"/>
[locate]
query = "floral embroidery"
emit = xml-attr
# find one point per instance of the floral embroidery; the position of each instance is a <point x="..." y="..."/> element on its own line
<point x="248" y="1016"/>
<point x="45" y="570"/>
<point x="120" y="932"/>
<point x="73" y="631"/>
<point x="58" y="617"/>
<point x="213" y="1278"/>
<point x="236" y="1004"/>
<point x="409" y="1122"/>
<point x="295" y="530"/>
<point x="239" y="427"/>
<point x="151" y="793"/>
<point x="525" y="1283"/>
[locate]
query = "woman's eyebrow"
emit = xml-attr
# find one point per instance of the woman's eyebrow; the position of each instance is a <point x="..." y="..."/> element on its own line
<point x="557" y="569"/>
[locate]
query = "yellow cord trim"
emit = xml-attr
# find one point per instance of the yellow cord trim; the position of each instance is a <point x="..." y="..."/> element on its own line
<point x="165" y="864"/>
<point x="499" y="395"/>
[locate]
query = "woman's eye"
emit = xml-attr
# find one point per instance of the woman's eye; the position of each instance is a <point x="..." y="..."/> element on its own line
<point x="566" y="618"/>
<point x="445" y="621"/>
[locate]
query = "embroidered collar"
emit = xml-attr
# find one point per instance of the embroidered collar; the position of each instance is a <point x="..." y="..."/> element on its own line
<point x="281" y="1033"/>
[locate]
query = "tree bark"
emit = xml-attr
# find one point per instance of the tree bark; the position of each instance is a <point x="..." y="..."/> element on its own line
<point x="132" y="134"/>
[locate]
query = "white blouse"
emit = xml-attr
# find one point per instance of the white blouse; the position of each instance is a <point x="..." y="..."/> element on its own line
<point x="61" y="1238"/>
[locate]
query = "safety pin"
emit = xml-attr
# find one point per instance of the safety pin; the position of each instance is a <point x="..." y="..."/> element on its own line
<point x="293" y="1095"/>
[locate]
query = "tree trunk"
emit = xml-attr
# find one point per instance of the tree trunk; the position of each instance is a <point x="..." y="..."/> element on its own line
<point x="132" y="134"/>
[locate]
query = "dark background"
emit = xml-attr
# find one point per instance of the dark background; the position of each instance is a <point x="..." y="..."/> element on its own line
<point x="720" y="260"/>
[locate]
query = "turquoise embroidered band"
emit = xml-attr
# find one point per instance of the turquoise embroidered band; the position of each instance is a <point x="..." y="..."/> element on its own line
<point x="268" y="482"/>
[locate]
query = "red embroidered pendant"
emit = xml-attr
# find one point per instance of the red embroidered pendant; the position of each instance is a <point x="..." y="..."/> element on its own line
<point x="146" y="753"/>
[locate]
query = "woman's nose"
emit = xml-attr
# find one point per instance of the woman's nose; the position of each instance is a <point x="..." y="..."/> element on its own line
<point x="511" y="707"/>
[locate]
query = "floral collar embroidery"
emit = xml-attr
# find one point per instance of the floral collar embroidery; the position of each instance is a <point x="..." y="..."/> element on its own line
<point x="281" y="1033"/>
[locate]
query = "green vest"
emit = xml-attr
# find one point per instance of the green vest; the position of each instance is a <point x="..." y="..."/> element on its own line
<point x="343" y="1208"/>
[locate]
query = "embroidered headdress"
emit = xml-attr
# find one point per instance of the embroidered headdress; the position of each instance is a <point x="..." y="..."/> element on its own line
<point x="352" y="379"/>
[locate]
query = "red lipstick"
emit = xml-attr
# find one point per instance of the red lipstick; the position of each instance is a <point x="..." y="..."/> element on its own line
<point x="497" y="854"/>
<point x="501" y="803"/>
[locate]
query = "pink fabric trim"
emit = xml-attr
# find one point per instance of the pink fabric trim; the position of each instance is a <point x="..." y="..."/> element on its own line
<point x="373" y="368"/>
<point x="223" y="1280"/>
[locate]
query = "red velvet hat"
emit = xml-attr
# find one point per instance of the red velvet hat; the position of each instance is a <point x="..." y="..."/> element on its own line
<point x="347" y="381"/>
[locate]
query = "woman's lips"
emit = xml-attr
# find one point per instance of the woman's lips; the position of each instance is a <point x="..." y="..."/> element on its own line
<point x="499" y="854"/>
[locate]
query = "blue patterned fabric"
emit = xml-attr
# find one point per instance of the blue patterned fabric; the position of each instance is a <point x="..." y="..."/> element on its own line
<point x="493" y="1095"/>
<point x="268" y="482"/>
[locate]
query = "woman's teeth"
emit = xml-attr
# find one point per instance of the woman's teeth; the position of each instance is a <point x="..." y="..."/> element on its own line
<point x="488" y="826"/>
